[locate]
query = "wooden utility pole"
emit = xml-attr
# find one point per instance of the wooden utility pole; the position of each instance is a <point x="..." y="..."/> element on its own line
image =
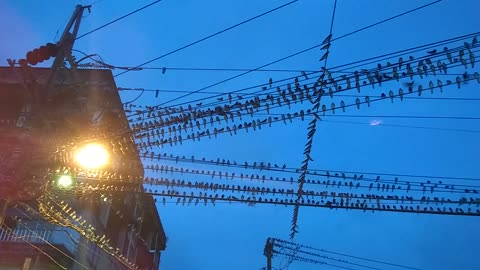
<point x="65" y="52"/>
<point x="268" y="252"/>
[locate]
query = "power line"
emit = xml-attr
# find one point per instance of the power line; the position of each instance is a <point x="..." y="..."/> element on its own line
<point x="341" y="254"/>
<point x="217" y="103"/>
<point x="370" y="206"/>
<point x="207" y="37"/>
<point x="312" y="113"/>
<point x="385" y="56"/>
<point x="326" y="257"/>
<point x="389" y="19"/>
<point x="303" y="259"/>
<point x="224" y="69"/>
<point x="118" y="19"/>
<point x="407" y="126"/>
<point x="126" y="133"/>
<point x="278" y="120"/>
<point x="393" y="116"/>
<point x="297" y="53"/>
<point x="13" y="234"/>
<point x="312" y="172"/>
<point x="312" y="130"/>
<point x="337" y="95"/>
<point x="76" y="242"/>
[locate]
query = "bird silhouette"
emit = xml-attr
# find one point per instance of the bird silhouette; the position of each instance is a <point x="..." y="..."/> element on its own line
<point x="327" y="39"/>
<point x="472" y="59"/>
<point x="439" y="85"/>
<point x="304" y="75"/>
<point x="420" y="89"/>
<point x="324" y="56"/>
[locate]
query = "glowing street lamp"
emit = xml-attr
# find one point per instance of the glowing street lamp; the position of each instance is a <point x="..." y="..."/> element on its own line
<point x="65" y="181"/>
<point x="92" y="156"/>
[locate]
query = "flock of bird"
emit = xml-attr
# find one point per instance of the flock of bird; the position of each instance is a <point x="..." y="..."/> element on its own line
<point x="59" y="212"/>
<point x="173" y="126"/>
<point x="329" y="178"/>
<point x="309" y="96"/>
<point x="405" y="204"/>
<point x="168" y="124"/>
<point x="157" y="126"/>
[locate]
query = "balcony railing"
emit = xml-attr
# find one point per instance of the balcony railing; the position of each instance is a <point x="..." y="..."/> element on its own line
<point x="36" y="236"/>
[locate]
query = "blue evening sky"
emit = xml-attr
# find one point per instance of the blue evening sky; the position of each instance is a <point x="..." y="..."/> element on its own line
<point x="232" y="236"/>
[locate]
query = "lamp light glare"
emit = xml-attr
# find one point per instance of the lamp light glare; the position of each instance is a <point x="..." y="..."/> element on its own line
<point x="65" y="181"/>
<point x="92" y="156"/>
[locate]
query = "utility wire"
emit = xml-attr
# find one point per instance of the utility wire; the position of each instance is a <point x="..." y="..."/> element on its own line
<point x="13" y="234"/>
<point x="216" y="103"/>
<point x="385" y="57"/>
<point x="97" y="253"/>
<point x="407" y="126"/>
<point x="207" y="37"/>
<point x="391" y="116"/>
<point x="307" y="260"/>
<point x="227" y="69"/>
<point x="308" y="146"/>
<point x="339" y="95"/>
<point x="54" y="247"/>
<point x="312" y="113"/>
<point x="118" y="19"/>
<point x="298" y="53"/>
<point x="350" y="105"/>
<point x="126" y="133"/>
<point x="326" y="257"/>
<point x="350" y="256"/>
<point x="289" y="170"/>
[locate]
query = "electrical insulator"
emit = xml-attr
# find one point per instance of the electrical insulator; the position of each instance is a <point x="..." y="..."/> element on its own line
<point x="43" y="53"/>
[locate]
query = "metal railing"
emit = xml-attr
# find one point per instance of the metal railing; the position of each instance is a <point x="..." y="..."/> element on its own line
<point x="40" y="236"/>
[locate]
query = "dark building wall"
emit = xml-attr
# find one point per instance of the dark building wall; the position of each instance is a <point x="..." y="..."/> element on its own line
<point x="87" y="102"/>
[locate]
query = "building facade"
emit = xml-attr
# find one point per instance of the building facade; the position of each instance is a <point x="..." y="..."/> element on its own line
<point x="105" y="221"/>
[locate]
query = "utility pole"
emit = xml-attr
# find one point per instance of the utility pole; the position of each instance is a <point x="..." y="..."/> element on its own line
<point x="268" y="252"/>
<point x="65" y="49"/>
<point x="37" y="96"/>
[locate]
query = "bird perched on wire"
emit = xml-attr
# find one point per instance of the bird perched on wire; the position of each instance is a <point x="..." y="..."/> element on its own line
<point x="367" y="100"/>
<point x="304" y="75"/>
<point x="431" y="86"/>
<point x="327" y="39"/>
<point x="324" y="56"/>
<point x="458" y="80"/>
